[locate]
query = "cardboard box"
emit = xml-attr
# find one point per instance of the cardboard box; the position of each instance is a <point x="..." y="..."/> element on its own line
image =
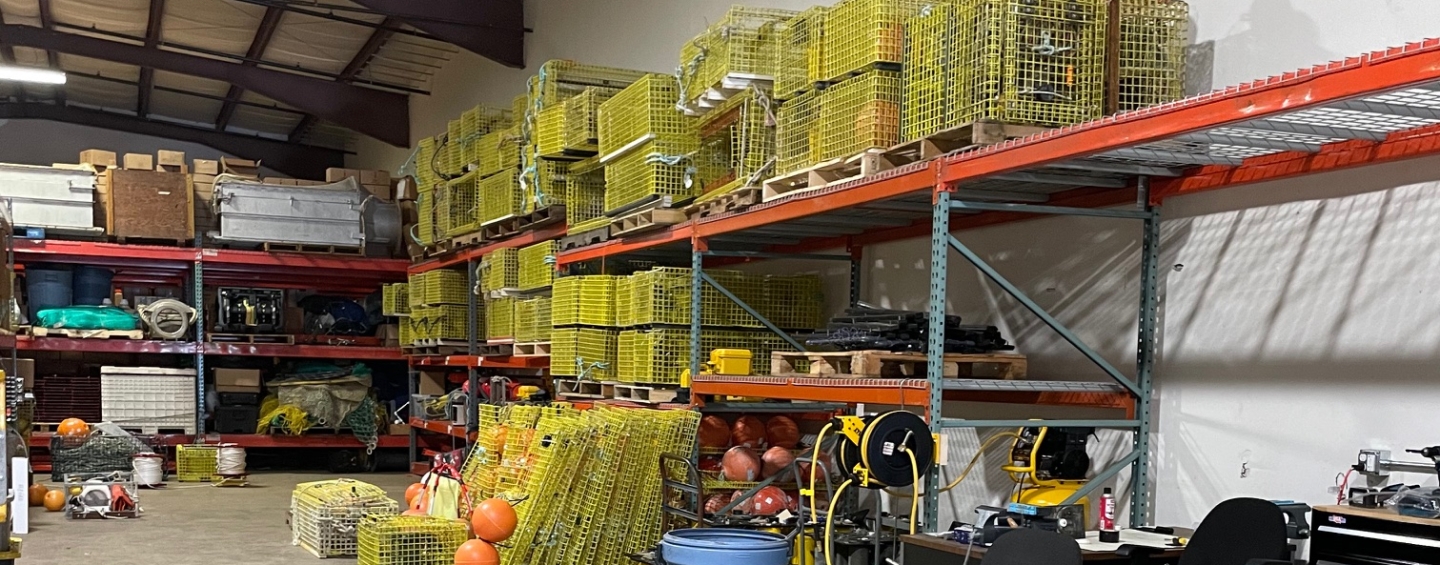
<point x="168" y="158"/>
<point x="139" y="162"/>
<point x="99" y="158"/>
<point x="237" y="380"/>
<point x="334" y="174"/>
<point x="431" y="382"/>
<point x="380" y="191"/>
<point x="376" y="177"/>
<point x="24" y="368"/>
<point x="398" y="430"/>
<point x="205" y="167"/>
<point x="389" y="335"/>
<point x="203" y="178"/>
<point x="240" y="167"/>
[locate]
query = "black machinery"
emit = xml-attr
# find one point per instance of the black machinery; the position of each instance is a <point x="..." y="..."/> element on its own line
<point x="250" y="310"/>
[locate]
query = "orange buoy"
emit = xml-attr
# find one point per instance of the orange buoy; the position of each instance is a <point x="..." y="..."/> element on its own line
<point x="494" y="520"/>
<point x="476" y="552"/>
<point x="54" y="500"/>
<point x="37" y="494"/>
<point x="412" y="512"/>
<point x="413" y="491"/>
<point x="73" y="427"/>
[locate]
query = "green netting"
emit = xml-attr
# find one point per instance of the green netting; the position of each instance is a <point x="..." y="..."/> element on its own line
<point x="87" y="318"/>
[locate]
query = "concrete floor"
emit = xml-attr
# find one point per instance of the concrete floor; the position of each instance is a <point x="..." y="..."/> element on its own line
<point x="186" y="524"/>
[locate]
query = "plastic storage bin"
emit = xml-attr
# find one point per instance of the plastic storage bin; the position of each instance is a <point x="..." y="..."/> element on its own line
<point x="149" y="398"/>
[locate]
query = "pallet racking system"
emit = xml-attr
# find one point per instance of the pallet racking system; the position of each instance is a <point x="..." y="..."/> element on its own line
<point x="1375" y="108"/>
<point x="194" y="268"/>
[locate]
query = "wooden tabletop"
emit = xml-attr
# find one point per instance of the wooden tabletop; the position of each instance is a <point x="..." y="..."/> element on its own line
<point x="1379" y="514"/>
<point x="949" y="546"/>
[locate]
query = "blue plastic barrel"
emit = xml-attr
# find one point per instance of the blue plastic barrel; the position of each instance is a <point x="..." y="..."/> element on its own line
<point x="92" y="285"/>
<point x="47" y="286"/>
<point x="714" y="546"/>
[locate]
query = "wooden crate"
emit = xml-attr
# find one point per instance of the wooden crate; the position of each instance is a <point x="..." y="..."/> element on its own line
<point x="150" y="205"/>
<point x="885" y="364"/>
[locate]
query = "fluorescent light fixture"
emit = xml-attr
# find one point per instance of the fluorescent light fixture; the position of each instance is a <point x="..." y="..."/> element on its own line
<point x="31" y="74"/>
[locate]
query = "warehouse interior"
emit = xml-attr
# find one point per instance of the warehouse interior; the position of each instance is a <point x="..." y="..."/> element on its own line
<point x="537" y="281"/>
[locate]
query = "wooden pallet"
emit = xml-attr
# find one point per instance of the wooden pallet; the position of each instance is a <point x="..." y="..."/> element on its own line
<point x="82" y="334"/>
<point x="439" y="248"/>
<point x="733" y="201"/>
<point x="584" y="388"/>
<point x="834" y="171"/>
<point x="159" y="430"/>
<point x="467" y="240"/>
<point x="496" y="348"/>
<point x="537" y="349"/>
<point x="974" y="134"/>
<point x="885" y="364"/>
<point x="348" y="250"/>
<point x="584" y="239"/>
<point x="646" y="220"/>
<point x="548" y="215"/>
<point x="501" y="228"/>
<point x="282" y="339"/>
<point x="645" y="394"/>
<point x="427" y="347"/>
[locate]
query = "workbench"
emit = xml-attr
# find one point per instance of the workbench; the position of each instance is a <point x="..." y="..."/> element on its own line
<point x="932" y="550"/>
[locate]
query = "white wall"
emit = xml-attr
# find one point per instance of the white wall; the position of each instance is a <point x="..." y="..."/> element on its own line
<point x="1295" y="333"/>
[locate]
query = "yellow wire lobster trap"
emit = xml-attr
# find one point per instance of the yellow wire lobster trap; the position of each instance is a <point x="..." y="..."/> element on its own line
<point x="930" y="56"/>
<point x="737" y="141"/>
<point x="645" y="112"/>
<point x="863" y="112"/>
<point x="559" y="80"/>
<point x="495" y="150"/>
<point x="570" y="130"/>
<point x="425" y="215"/>
<point x="653" y="172"/>
<point x="533" y="320"/>
<point x="500" y="196"/>
<point x="662" y="296"/>
<point x="324" y="515"/>
<point x="1029" y="63"/>
<point x="408" y="540"/>
<point x="588" y="352"/>
<point x="543" y="185"/>
<point x="500" y="270"/>
<point x="741" y="49"/>
<point x="797" y="135"/>
<point x="861" y="35"/>
<point x="463" y="204"/>
<point x="440" y="286"/>
<point x="584" y="300"/>
<point x="1153" y="34"/>
<point x="585" y="196"/>
<point x="537" y="265"/>
<point x="801" y="53"/>
<point x="500" y="318"/>
<point x="407" y="332"/>
<point x="662" y="355"/>
<point x="196" y="463"/>
<point x="395" y="299"/>
<point x="445" y="322"/>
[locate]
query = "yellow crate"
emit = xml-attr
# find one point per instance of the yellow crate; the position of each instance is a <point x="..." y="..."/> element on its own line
<point x="519" y="105"/>
<point x="559" y="80"/>
<point x="543" y="185"/>
<point x="440" y="286"/>
<point x="196" y="463"/>
<point x="583" y="351"/>
<point x="500" y="270"/>
<point x="498" y="151"/>
<point x="930" y="55"/>
<point x="407" y="333"/>
<point x="324" y="514"/>
<point x="463" y="204"/>
<point x="408" y="540"/>
<point x="662" y="296"/>
<point x="651" y="171"/>
<point x="499" y="196"/>
<point x="454" y="136"/>
<point x="861" y="35"/>
<point x="662" y="355"/>
<point x="537" y="265"/>
<point x="584" y="300"/>
<point x="1022" y="63"/>
<point x="801" y="53"/>
<point x="738" y="142"/>
<point x="797" y="138"/>
<point x="584" y="193"/>
<point x="447" y="322"/>
<point x="533" y="320"/>
<point x="395" y="299"/>
<point x="625" y="301"/>
<point x="425" y="211"/>
<point x="645" y="111"/>
<point x="441" y="211"/>
<point x="792" y="302"/>
<point x="425" y="175"/>
<point x="582" y="120"/>
<point x="741" y="48"/>
<point x="1153" y="35"/>
<point x="500" y="318"/>
<point x="860" y="113"/>
<point x="550" y="131"/>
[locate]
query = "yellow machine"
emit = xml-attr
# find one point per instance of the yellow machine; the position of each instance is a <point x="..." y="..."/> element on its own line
<point x="734" y="362"/>
<point x="1050" y="465"/>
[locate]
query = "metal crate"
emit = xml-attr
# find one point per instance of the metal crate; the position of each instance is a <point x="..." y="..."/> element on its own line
<point x="797" y="137"/>
<point x="559" y="80"/>
<point x="425" y="174"/>
<point x="499" y="196"/>
<point x="196" y="463"/>
<point x="737" y="142"/>
<point x="863" y="112"/>
<point x="500" y="318"/>
<point x="500" y="270"/>
<point x="408" y="540"/>
<point x="463" y="204"/>
<point x="861" y="35"/>
<point x="495" y="150"/>
<point x="407" y="332"/>
<point x="571" y="129"/>
<point x="1033" y="64"/>
<point x="444" y="322"/>
<point x="533" y="320"/>
<point x="585" y="195"/>
<point x="537" y="265"/>
<point x="801" y="53"/>
<point x="395" y="299"/>
<point x="662" y="355"/>
<point x="652" y="171"/>
<point x="584" y="300"/>
<point x="662" y="296"/>
<point x="452" y="154"/>
<point x="645" y="111"/>
<point x="739" y="50"/>
<point x="930" y="56"/>
<point x="587" y="352"/>
<point x="440" y="286"/>
<point x="543" y="185"/>
<point x="324" y="515"/>
<point x="425" y="210"/>
<point x="1153" y="35"/>
<point x="792" y="302"/>
<point x="550" y="132"/>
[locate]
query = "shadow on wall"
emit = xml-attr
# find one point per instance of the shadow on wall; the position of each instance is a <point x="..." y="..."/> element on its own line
<point x="1272" y="34"/>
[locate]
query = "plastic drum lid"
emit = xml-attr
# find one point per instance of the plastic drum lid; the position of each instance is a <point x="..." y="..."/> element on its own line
<point x="703" y="546"/>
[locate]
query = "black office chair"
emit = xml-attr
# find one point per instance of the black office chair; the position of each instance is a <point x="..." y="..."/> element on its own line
<point x="1033" y="547"/>
<point x="1239" y="531"/>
